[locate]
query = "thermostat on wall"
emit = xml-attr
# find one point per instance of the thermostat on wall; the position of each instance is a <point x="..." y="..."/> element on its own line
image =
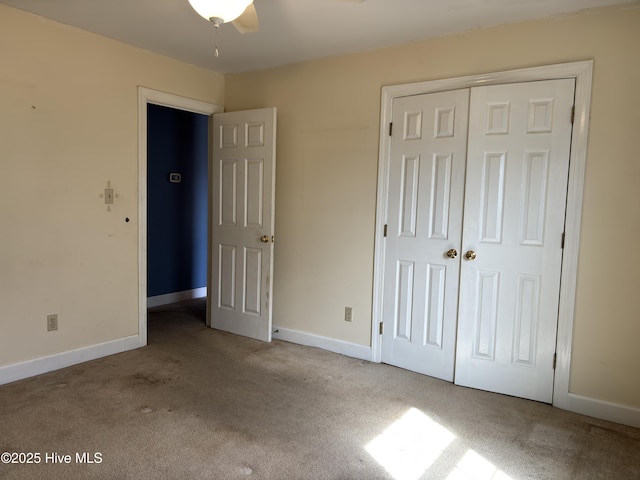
<point x="175" y="177"/>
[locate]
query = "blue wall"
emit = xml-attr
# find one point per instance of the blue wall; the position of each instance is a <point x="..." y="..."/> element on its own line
<point x="177" y="141"/>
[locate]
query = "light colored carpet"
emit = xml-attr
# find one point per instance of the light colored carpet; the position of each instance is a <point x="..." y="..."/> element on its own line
<point x="203" y="404"/>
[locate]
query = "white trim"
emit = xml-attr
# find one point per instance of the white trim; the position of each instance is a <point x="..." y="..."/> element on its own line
<point x="613" y="412"/>
<point x="146" y="96"/>
<point x="38" y="366"/>
<point x="349" y="349"/>
<point x="167" y="298"/>
<point x="582" y="73"/>
<point x="573" y="220"/>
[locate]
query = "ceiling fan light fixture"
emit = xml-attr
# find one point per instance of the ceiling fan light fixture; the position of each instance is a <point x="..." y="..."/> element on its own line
<point x="220" y="11"/>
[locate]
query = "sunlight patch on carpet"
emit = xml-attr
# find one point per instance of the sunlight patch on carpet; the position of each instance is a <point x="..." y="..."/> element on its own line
<point x="410" y="445"/>
<point x="475" y="467"/>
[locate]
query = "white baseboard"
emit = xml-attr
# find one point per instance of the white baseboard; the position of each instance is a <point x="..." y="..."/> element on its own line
<point x="38" y="366"/>
<point x="362" y="352"/>
<point x="174" y="297"/>
<point x="614" y="412"/>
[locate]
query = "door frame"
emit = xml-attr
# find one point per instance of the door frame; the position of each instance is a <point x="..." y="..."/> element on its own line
<point x="582" y="73"/>
<point x="145" y="97"/>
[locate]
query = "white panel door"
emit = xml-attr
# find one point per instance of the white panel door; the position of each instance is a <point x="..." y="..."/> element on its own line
<point x="515" y="196"/>
<point x="424" y="217"/>
<point x="242" y="211"/>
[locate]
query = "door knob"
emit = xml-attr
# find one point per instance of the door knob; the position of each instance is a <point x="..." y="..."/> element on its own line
<point x="264" y="239"/>
<point x="470" y="255"/>
<point x="453" y="253"/>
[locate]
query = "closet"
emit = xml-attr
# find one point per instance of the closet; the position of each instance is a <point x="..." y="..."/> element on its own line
<point x="476" y="196"/>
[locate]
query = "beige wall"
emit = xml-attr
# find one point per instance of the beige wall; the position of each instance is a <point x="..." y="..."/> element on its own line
<point x="68" y="124"/>
<point x="329" y="113"/>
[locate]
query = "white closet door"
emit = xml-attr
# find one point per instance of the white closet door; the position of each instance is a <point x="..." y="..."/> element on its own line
<point x="426" y="184"/>
<point x="515" y="197"/>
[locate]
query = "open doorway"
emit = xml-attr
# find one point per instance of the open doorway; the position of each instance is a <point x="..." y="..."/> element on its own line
<point x="177" y="216"/>
<point x="147" y="97"/>
<point x="177" y="197"/>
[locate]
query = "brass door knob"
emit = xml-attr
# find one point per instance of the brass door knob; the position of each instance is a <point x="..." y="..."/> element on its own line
<point x="264" y="239"/>
<point x="453" y="253"/>
<point x="470" y="255"/>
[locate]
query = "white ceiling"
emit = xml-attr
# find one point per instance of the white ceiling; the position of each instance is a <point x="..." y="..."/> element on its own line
<point x="290" y="30"/>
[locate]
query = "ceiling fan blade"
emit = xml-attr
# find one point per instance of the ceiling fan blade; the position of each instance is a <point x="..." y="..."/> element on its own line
<point x="248" y="21"/>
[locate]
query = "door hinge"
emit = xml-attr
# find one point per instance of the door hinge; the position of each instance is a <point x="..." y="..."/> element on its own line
<point x="381" y="328"/>
<point x="573" y="114"/>
<point x="390" y="128"/>
<point x="385" y="230"/>
<point x="562" y="241"/>
<point x="555" y="360"/>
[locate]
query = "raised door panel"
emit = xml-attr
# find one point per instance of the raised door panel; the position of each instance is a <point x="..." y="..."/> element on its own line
<point x="492" y="179"/>
<point x="227" y="276"/>
<point x="409" y="195"/>
<point x="486" y="314"/>
<point x="227" y="192"/>
<point x="435" y="297"/>
<point x="533" y="205"/>
<point x="252" y="281"/>
<point x="254" y="192"/>
<point x="440" y="196"/>
<point x="526" y="320"/>
<point x="403" y="318"/>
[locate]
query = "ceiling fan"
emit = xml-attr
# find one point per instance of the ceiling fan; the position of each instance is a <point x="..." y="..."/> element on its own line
<point x="242" y="13"/>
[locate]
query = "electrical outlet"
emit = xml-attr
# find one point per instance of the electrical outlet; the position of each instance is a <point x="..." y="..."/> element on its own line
<point x="348" y="314"/>
<point x="52" y="322"/>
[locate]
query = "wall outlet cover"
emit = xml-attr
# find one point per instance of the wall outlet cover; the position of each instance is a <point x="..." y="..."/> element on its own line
<point x="52" y="322"/>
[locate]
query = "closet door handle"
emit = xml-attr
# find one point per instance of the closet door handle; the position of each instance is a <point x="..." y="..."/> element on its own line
<point x="453" y="253"/>
<point x="470" y="255"/>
